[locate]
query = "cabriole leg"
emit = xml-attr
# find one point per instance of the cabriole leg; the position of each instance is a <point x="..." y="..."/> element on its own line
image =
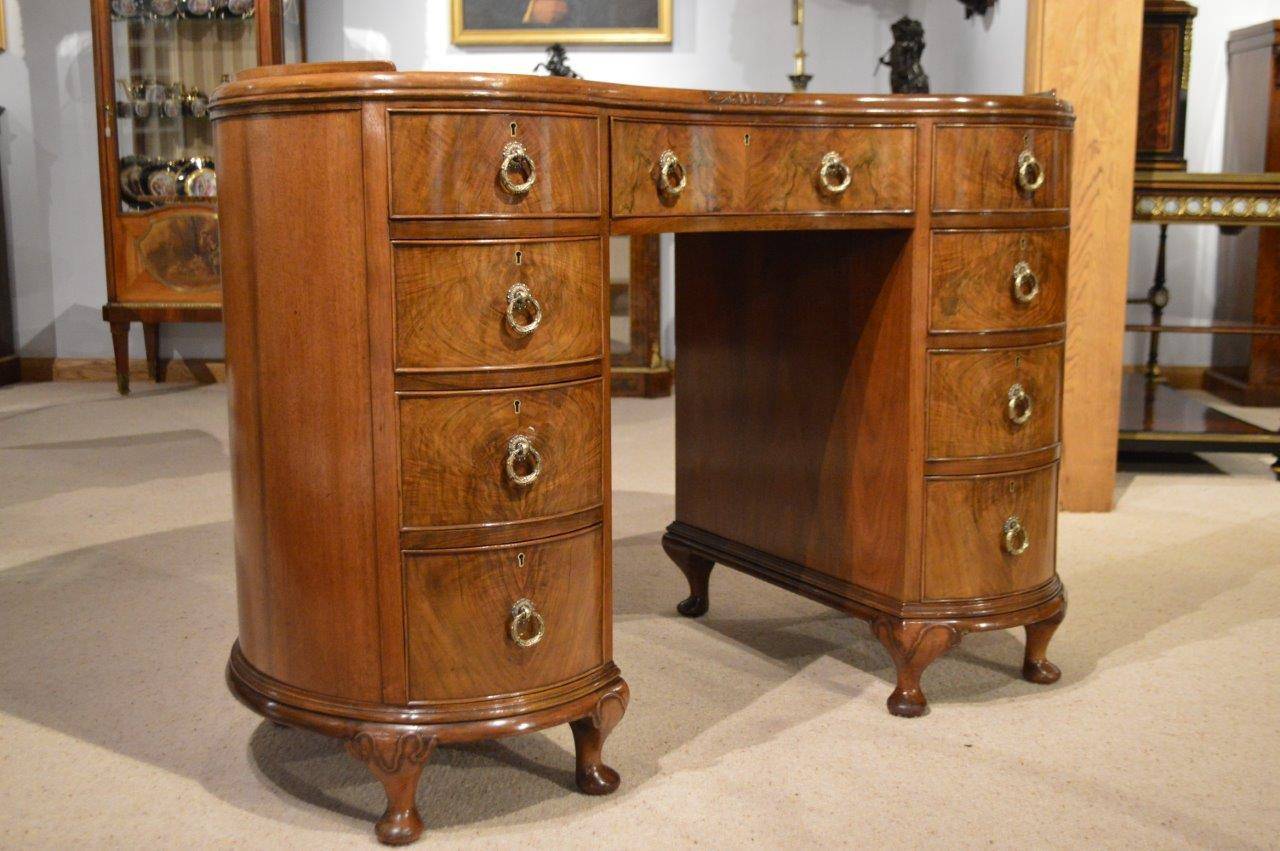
<point x="912" y="645"/>
<point x="1035" y="667"/>
<point x="592" y="775"/>
<point x="696" y="569"/>
<point x="396" y="758"/>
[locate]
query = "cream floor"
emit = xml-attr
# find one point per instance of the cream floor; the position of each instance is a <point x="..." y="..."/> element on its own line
<point x="762" y="724"/>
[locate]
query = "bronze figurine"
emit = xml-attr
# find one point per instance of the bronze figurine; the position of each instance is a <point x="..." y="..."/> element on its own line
<point x="557" y="64"/>
<point x="906" y="74"/>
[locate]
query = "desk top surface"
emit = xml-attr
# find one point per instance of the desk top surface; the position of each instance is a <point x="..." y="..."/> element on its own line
<point x="329" y="81"/>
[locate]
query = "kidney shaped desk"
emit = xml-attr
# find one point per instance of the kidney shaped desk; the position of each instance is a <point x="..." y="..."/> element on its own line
<point x="869" y="325"/>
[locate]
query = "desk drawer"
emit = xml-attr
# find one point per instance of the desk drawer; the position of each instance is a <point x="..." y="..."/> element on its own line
<point x="458" y="466"/>
<point x="987" y="536"/>
<point x="731" y="168"/>
<point x="986" y="402"/>
<point x="993" y="280"/>
<point x="978" y="169"/>
<point x="460" y="608"/>
<point x="461" y="306"/>
<point x="446" y="164"/>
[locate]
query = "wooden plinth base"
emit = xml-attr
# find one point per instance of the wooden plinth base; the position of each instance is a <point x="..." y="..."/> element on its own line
<point x="914" y="637"/>
<point x="396" y="752"/>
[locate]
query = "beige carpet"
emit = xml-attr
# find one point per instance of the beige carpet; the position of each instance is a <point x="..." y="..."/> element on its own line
<point x="763" y="724"/>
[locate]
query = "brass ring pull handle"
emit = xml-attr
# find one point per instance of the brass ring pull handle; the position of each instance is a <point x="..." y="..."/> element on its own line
<point x="1026" y="285"/>
<point x="1019" y="407"/>
<point x="520" y="449"/>
<point x="520" y="300"/>
<point x="516" y="160"/>
<point x="527" y="627"/>
<point x="833" y="174"/>
<point x="672" y="176"/>
<point x="1015" y="537"/>
<point x="1030" y="172"/>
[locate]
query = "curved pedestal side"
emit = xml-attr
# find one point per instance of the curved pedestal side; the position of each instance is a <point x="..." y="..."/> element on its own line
<point x="395" y="743"/>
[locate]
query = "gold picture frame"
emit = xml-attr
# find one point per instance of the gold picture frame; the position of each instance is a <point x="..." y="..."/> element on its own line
<point x="661" y="34"/>
<point x="4" y="39"/>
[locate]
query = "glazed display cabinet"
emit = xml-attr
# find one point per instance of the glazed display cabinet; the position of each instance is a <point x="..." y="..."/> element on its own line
<point x="156" y="62"/>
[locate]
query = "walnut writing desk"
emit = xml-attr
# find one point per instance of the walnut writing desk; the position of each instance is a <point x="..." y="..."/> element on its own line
<point x="870" y="332"/>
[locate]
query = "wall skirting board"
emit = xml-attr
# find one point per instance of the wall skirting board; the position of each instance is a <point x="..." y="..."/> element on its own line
<point x="199" y="370"/>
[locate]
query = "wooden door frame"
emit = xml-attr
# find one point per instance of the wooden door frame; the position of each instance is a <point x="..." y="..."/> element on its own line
<point x="1088" y="51"/>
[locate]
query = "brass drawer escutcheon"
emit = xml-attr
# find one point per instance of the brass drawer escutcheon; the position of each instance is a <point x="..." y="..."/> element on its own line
<point x="516" y="160"/>
<point x="527" y="627"/>
<point x="520" y="300"/>
<point x="1019" y="405"/>
<point x="1015" y="537"/>
<point x="1030" y="172"/>
<point x="520" y="449"/>
<point x="1026" y="284"/>
<point x="673" y="177"/>
<point x="833" y="174"/>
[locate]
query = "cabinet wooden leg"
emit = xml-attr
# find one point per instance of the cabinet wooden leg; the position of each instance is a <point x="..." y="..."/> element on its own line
<point x="396" y="758"/>
<point x="912" y="645"/>
<point x="592" y="775"/>
<point x="120" y="345"/>
<point x="1035" y="667"/>
<point x="151" y="340"/>
<point x="696" y="569"/>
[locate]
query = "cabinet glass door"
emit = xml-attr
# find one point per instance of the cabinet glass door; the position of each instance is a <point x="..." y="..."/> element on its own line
<point x="168" y="56"/>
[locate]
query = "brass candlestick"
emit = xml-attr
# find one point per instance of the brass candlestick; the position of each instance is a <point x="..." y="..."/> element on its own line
<point x="799" y="80"/>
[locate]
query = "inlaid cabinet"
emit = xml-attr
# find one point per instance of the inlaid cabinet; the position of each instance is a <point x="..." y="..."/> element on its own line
<point x="156" y="64"/>
<point x="870" y="316"/>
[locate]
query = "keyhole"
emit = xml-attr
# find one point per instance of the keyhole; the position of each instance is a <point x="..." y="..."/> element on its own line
<point x="517" y="406"/>
<point x="520" y="560"/>
<point x="513" y="128"/>
<point x="1017" y="361"/>
<point x="1022" y="244"/>
<point x="1013" y="488"/>
<point x="746" y="140"/>
<point x="519" y="256"/>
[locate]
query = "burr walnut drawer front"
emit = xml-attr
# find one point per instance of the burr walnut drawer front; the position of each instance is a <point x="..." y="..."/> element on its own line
<point x="682" y="169"/>
<point x="498" y="304"/>
<point x="495" y="620"/>
<point x="998" y="280"/>
<point x="991" y="402"/>
<point x="987" y="536"/>
<point x="446" y="164"/>
<point x="500" y="456"/>
<point x="1000" y="168"/>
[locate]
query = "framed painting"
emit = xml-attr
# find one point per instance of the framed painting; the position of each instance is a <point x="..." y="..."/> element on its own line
<point x="563" y="21"/>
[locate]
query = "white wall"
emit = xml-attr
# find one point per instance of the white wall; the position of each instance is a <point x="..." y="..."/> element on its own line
<point x="1192" y="255"/>
<point x="48" y="144"/>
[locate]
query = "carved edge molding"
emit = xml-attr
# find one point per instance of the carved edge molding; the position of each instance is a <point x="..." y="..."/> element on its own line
<point x="747" y="98"/>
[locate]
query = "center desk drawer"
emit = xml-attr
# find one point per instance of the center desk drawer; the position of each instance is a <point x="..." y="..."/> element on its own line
<point x="500" y="456"/>
<point x="501" y="304"/>
<point x="461" y="608"/>
<point x="985" y="402"/>
<point x="731" y="168"/>
<point x="452" y="164"/>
